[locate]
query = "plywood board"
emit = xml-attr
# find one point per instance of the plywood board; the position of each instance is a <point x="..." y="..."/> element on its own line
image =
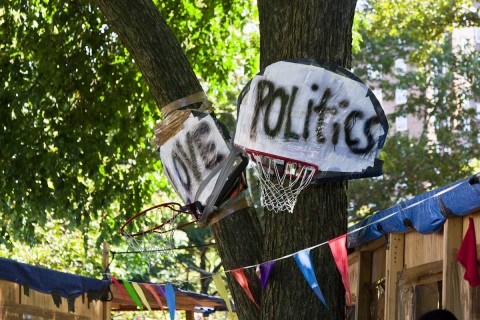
<point x="421" y="249"/>
<point x="353" y="268"/>
<point x="423" y="274"/>
<point x="379" y="256"/>
<point x="394" y="265"/>
<point x="8" y="292"/>
<point x="362" y="310"/>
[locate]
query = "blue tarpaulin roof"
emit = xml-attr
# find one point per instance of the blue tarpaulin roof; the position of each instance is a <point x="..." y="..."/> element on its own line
<point x="425" y="213"/>
<point x="49" y="281"/>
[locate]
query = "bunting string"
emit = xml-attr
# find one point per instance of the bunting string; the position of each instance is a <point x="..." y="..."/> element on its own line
<point x="453" y="186"/>
<point x="365" y="226"/>
<point x="161" y="250"/>
<point x="304" y="262"/>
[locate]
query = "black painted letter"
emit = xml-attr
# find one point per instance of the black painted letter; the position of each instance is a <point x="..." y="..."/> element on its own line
<point x="260" y="101"/>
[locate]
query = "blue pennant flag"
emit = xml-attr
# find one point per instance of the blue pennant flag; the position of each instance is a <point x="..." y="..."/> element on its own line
<point x="170" y="300"/>
<point x="304" y="262"/>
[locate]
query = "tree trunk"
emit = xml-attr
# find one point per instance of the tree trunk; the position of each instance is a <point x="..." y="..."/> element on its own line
<point x="322" y="30"/>
<point x="144" y="32"/>
<point x="240" y="245"/>
<point x="289" y="29"/>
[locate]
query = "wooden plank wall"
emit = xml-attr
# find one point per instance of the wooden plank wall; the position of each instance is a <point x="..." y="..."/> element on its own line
<point x="8" y="298"/>
<point x="393" y="266"/>
<point x="353" y="268"/>
<point x="14" y="304"/>
<point x="379" y="256"/>
<point x="421" y="249"/>
<point x="452" y="236"/>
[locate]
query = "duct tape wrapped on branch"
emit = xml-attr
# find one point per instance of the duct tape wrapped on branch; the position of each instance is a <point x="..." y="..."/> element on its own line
<point x="176" y="113"/>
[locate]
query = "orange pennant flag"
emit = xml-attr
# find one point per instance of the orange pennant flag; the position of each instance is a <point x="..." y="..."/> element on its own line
<point x="239" y="275"/>
<point x="150" y="288"/>
<point x="119" y="286"/>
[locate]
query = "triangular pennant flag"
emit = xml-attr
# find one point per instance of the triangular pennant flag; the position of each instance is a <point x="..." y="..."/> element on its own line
<point x="467" y="255"/>
<point x="265" y="271"/>
<point x="119" y="286"/>
<point x="340" y="255"/>
<point x="170" y="293"/>
<point x="132" y="294"/>
<point x="140" y="293"/>
<point x="222" y="291"/>
<point x="161" y="290"/>
<point x="304" y="262"/>
<point x="150" y="288"/>
<point x="239" y="275"/>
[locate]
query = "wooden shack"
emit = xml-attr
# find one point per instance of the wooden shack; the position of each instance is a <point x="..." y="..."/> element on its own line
<point x="15" y="304"/>
<point x="403" y="260"/>
<point x="31" y="292"/>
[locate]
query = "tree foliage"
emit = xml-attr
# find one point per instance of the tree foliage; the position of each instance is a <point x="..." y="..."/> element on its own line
<point x="217" y="39"/>
<point x="77" y="119"/>
<point x="441" y="80"/>
<point x="75" y="142"/>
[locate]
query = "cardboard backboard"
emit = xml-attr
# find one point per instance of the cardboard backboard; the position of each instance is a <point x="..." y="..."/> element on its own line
<point x="316" y="112"/>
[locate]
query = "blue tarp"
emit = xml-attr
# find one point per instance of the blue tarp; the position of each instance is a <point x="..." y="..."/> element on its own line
<point x="425" y="213"/>
<point x="49" y="281"/>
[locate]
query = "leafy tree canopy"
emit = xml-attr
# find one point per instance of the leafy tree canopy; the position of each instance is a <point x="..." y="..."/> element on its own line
<point x="77" y="117"/>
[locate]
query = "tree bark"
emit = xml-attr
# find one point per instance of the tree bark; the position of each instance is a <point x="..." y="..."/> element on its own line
<point x="322" y="30"/>
<point x="145" y="34"/>
<point x="240" y="245"/>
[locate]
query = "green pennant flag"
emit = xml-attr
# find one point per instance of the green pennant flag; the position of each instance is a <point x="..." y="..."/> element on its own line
<point x="132" y="294"/>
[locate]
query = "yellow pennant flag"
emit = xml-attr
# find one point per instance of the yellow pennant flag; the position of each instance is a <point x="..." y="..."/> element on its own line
<point x="140" y="293"/>
<point x="222" y="291"/>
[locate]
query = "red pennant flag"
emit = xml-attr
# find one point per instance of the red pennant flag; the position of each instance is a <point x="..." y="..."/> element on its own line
<point x="155" y="295"/>
<point x="119" y="286"/>
<point x="339" y="252"/>
<point x="467" y="255"/>
<point x="239" y="275"/>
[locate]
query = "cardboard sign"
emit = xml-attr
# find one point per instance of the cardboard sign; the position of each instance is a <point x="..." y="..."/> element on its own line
<point x="315" y="112"/>
<point x="192" y="155"/>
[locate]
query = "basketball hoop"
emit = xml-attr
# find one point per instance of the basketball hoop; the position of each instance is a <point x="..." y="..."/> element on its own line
<point x="153" y="242"/>
<point x="281" y="179"/>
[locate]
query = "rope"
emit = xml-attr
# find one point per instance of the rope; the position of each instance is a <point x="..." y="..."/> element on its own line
<point x="350" y="232"/>
<point x="161" y="250"/>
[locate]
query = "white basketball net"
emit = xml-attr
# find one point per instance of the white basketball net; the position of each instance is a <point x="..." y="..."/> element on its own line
<point x="281" y="181"/>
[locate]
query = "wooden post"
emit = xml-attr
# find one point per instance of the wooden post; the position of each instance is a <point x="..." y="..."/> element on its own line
<point x="107" y="305"/>
<point x="452" y="238"/>
<point x="394" y="265"/>
<point x="189" y="315"/>
<point x="362" y="309"/>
